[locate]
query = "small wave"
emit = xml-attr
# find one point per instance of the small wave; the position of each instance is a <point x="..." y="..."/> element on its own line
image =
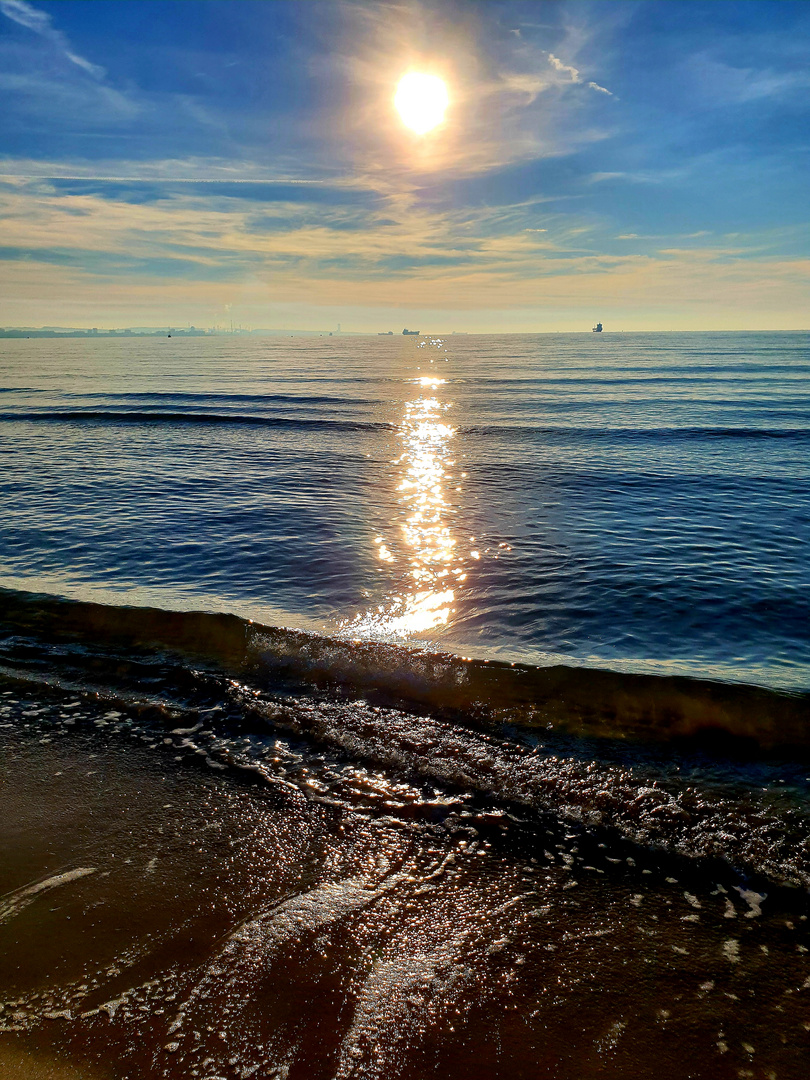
<point x="638" y="434"/>
<point x="77" y="416"/>
<point x="156" y="397"/>
<point x="176" y="416"/>
<point x="584" y="702"/>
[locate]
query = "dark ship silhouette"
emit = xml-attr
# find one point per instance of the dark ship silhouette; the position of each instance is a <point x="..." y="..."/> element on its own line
<point x="410" y="332"/>
<point x="598" y="328"/>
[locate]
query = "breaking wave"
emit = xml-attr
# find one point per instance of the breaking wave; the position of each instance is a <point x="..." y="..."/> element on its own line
<point x="700" y="769"/>
<point x="578" y="701"/>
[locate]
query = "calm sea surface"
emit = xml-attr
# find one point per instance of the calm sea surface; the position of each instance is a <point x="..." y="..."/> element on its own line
<point x="639" y="502"/>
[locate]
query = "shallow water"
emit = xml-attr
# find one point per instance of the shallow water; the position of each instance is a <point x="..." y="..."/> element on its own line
<point x="321" y="918"/>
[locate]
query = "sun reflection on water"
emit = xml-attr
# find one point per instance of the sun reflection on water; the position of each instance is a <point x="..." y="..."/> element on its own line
<point x="426" y="547"/>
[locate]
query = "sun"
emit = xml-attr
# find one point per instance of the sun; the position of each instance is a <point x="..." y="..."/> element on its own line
<point x="421" y="101"/>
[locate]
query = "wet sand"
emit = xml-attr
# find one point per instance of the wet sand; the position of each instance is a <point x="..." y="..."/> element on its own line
<point x="176" y="918"/>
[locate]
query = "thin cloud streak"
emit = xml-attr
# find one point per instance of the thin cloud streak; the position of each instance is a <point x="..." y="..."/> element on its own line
<point x="40" y="22"/>
<point x="90" y="176"/>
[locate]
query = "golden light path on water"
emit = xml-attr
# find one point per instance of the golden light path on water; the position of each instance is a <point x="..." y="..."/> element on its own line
<point x="426" y="592"/>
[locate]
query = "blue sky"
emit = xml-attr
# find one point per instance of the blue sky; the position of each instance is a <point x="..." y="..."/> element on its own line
<point x="643" y="162"/>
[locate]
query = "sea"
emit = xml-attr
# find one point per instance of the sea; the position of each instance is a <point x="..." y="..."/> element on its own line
<point x="405" y="706"/>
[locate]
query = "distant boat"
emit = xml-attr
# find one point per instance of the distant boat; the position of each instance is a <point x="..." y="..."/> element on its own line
<point x="411" y="332"/>
<point x="385" y="333"/>
<point x="598" y="328"/>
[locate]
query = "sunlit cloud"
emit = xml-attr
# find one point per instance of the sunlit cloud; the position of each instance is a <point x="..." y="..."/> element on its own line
<point x="568" y="69"/>
<point x="497" y="82"/>
<point x="540" y="195"/>
<point x="573" y="74"/>
<point x="418" y="259"/>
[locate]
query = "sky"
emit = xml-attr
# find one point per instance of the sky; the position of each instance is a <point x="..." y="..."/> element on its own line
<point x="639" y="162"/>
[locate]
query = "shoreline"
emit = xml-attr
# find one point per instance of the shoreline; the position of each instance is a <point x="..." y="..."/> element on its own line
<point x="572" y="697"/>
<point x="251" y="920"/>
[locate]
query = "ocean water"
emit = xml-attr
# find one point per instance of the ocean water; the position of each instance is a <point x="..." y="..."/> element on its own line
<point x="405" y="708"/>
<point x="635" y="502"/>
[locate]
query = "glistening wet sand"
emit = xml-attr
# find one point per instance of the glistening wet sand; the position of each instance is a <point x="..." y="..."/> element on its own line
<point x="171" y="919"/>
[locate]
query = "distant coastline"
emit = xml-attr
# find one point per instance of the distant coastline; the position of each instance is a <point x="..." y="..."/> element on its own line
<point x="163" y="331"/>
<point x="158" y="331"/>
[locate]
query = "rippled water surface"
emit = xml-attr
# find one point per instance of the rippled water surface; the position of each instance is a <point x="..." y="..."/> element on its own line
<point x="640" y="501"/>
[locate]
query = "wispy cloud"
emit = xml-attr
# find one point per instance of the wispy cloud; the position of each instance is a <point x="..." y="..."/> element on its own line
<point x="197" y="169"/>
<point x="647" y="176"/>
<point x="508" y="102"/>
<point x="40" y="22"/>
<point x="568" y="69"/>
<point x="194" y="170"/>
<point x="721" y="84"/>
<point x="466" y="257"/>
<point x="50" y="89"/>
<point x="574" y="74"/>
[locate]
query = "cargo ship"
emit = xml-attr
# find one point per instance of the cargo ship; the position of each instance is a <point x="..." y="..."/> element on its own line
<point x="411" y="332"/>
<point x="597" y="329"/>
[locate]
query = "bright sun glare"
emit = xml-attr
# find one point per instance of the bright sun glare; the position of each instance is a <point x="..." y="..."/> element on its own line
<point x="421" y="101"/>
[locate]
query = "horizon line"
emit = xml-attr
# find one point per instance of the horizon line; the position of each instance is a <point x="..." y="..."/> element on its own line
<point x="212" y="332"/>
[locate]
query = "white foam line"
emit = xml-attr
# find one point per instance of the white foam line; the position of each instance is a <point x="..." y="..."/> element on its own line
<point x="15" y="901"/>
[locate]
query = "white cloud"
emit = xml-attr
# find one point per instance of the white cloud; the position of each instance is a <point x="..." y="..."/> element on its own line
<point x="40" y="22"/>
<point x="660" y="176"/>
<point x="26" y="15"/>
<point x="567" y="68"/>
<point x="574" y="74"/>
